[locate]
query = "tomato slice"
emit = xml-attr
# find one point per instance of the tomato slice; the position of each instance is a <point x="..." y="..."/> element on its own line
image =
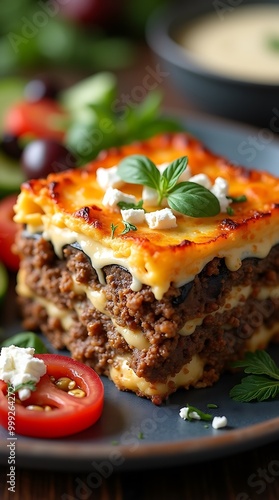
<point x="42" y="119"/>
<point x="69" y="414"/>
<point x="8" y="230"/>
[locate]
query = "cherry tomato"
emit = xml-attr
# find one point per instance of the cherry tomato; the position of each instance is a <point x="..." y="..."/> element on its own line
<point x="8" y="230"/>
<point x="44" y="118"/>
<point x="69" y="414"/>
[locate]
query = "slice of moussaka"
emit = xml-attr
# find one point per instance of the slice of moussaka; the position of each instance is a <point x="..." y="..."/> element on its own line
<point x="157" y="264"/>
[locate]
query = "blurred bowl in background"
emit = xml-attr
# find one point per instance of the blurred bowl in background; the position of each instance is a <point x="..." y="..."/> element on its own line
<point x="222" y="56"/>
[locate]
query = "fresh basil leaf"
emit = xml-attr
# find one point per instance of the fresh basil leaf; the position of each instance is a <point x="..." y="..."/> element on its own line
<point x="174" y="171"/>
<point x="26" y="339"/>
<point x="194" y="200"/>
<point x="138" y="169"/>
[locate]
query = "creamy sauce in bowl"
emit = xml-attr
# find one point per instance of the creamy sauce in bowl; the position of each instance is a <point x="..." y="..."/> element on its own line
<point x="243" y="43"/>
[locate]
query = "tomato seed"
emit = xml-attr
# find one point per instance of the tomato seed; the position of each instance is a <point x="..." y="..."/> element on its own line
<point x="47" y="408"/>
<point x="34" y="408"/>
<point x="65" y="383"/>
<point x="77" y="393"/>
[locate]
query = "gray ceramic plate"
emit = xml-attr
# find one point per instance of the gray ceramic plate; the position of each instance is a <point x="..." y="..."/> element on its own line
<point x="133" y="433"/>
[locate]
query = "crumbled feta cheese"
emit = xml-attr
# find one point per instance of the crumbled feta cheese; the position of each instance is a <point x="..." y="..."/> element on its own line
<point x="219" y="422"/>
<point x="221" y="188"/>
<point x="18" y="366"/>
<point x="134" y="216"/>
<point x="108" y="177"/>
<point x="161" y="219"/>
<point x="114" y="196"/>
<point x="195" y="415"/>
<point x="201" y="179"/>
<point x="149" y="196"/>
<point x="184" y="413"/>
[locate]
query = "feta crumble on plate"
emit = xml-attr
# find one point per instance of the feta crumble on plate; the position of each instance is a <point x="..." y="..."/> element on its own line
<point x="187" y="413"/>
<point x="18" y="366"/>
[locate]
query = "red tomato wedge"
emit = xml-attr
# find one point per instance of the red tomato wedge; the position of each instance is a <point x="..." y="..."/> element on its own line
<point x="69" y="414"/>
<point x="8" y="230"/>
<point x="41" y="119"/>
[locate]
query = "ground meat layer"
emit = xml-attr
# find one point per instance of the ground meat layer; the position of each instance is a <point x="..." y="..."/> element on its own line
<point x="92" y="338"/>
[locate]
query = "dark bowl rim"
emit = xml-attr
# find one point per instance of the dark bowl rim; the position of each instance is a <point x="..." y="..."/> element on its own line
<point x="160" y="41"/>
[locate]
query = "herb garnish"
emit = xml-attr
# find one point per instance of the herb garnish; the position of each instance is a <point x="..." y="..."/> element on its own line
<point x="113" y="228"/>
<point x="194" y="413"/>
<point x="186" y="197"/>
<point x="262" y="384"/>
<point x="212" y="405"/>
<point x="237" y="199"/>
<point x="123" y="205"/>
<point x="127" y="228"/>
<point x="31" y="385"/>
<point x="230" y="211"/>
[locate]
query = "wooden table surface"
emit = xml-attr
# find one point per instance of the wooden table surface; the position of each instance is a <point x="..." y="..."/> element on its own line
<point x="248" y="475"/>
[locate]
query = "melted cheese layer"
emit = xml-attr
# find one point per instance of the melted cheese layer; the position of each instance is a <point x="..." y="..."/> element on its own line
<point x="101" y="256"/>
<point x="125" y="378"/>
<point x="120" y="371"/>
<point x="68" y="206"/>
<point x="136" y="339"/>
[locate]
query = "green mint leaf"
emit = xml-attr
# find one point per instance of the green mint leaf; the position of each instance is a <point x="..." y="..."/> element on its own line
<point x="173" y="171"/>
<point x="194" y="200"/>
<point x="128" y="227"/>
<point x="255" y="388"/>
<point x="138" y="169"/>
<point x="237" y="199"/>
<point x="123" y="205"/>
<point x="26" y="339"/>
<point x="258" y="363"/>
<point x="113" y="229"/>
